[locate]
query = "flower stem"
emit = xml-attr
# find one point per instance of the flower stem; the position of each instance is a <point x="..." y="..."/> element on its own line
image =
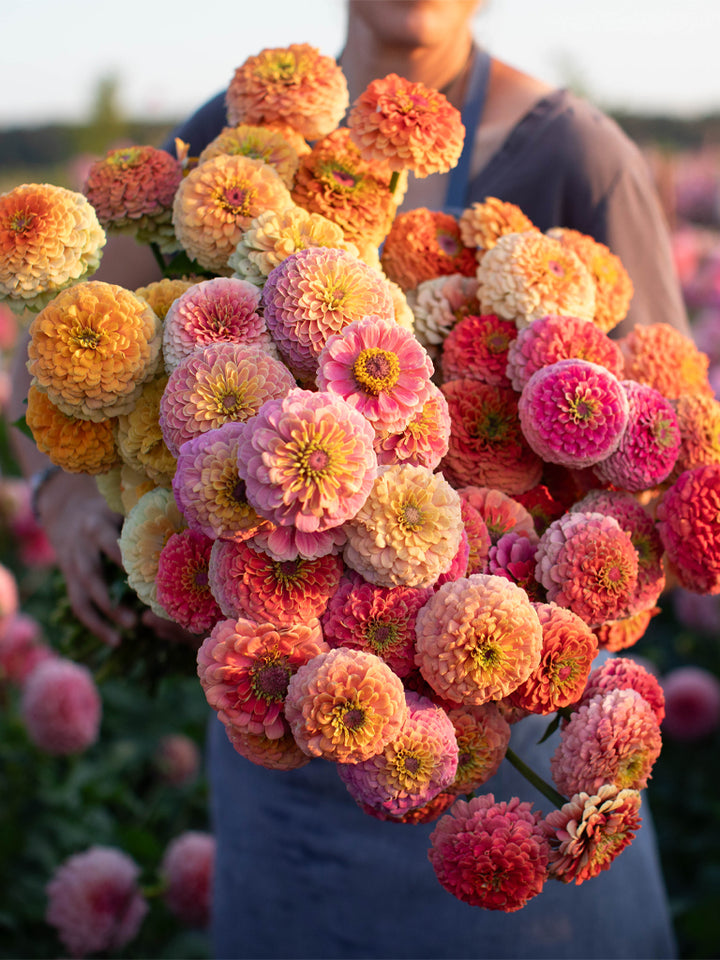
<point x="160" y="260"/>
<point x="537" y="781"/>
<point x="395" y="176"/>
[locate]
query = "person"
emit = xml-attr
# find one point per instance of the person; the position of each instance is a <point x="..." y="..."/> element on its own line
<point x="301" y="871"/>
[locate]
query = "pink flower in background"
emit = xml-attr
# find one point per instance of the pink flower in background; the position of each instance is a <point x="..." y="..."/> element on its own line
<point x="177" y="759"/>
<point x="34" y="546"/>
<point x="61" y="707"/>
<point x="9" y="328"/>
<point x="187" y="868"/>
<point x="94" y="901"/>
<point x="692" y="703"/>
<point x="21" y="649"/>
<point x="183" y="588"/>
<point x="8" y="592"/>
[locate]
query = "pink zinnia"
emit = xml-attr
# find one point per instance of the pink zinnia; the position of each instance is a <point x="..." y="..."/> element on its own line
<point x="491" y="855"/>
<point x="424" y="440"/>
<point x="94" y="901"/>
<point x="380" y="369"/>
<point x="187" y="869"/>
<point x="688" y="521"/>
<point x="177" y="759"/>
<point x="477" y="349"/>
<point x="8" y="593"/>
<point x="513" y="557"/>
<point x="61" y="707"/>
<point x="501" y="513"/>
<point x="692" y="703"/>
<point x="21" y="649"/>
<point x="623" y="673"/>
<point x="183" y="588"/>
<point x="478" y="538"/>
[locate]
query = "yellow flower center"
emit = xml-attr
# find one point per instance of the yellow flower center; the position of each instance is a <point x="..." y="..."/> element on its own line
<point x="376" y="370"/>
<point x="380" y="634"/>
<point x="348" y="716"/>
<point x="21" y="220"/>
<point x="630" y="770"/>
<point x="125" y="157"/>
<point x="582" y="406"/>
<point x="236" y="198"/>
<point x="280" y="67"/>
<point x="334" y="295"/>
<point x="314" y="461"/>
<point x="612" y="576"/>
<point x="410" y="767"/>
<point x="410" y="516"/>
<point x="86" y="338"/>
<point x="556" y="268"/>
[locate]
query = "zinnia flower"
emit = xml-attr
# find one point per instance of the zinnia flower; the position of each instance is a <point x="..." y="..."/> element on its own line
<point x="407" y="531"/>
<point x="378" y="368"/>
<point x="418" y="764"/>
<point x="212" y="312"/>
<point x="245" y="667"/>
<point x="92" y="348"/>
<point x="692" y="702"/>
<point x="139" y="437"/>
<point x="183" y="588"/>
<point x="21" y="649"/>
<point x="61" y="707"/>
<point x="407" y="125"/>
<point x="699" y="422"/>
<point x="587" y="833"/>
<point x="78" y="446"/>
<point x="219" y="199"/>
<point x="478" y="537"/>
<point x="281" y="753"/>
<point x="315" y="293"/>
<point x="177" y="759"/>
<point x="614" y="635"/>
<point x="161" y="294"/>
<point x="260" y="143"/>
<point x="94" y="901"/>
<point x="478" y="639"/>
<point x="528" y="275"/>
<point x="487" y="445"/>
<point x="623" y="673"/>
<point x="482" y="224"/>
<point x="477" y="349"/>
<point x="491" y="855"/>
<point x="423" y="244"/>
<point x="438" y="304"/>
<point x="689" y="524"/>
<point x="501" y="513"/>
<point x="50" y="237"/>
<point x="187" y="869"/>
<point x="574" y="413"/>
<point x="513" y="557"/>
<point x="664" y="358"/>
<point x="219" y="383"/>
<point x="614" y="738"/>
<point x="482" y="735"/>
<point x="295" y="85"/>
<point x="345" y="705"/>
<point x="425" y="439"/>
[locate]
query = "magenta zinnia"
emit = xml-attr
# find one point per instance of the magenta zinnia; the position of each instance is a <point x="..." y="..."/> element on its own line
<point x="183" y="589"/>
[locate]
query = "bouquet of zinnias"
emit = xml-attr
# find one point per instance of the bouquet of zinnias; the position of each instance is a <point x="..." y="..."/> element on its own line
<point x="401" y="500"/>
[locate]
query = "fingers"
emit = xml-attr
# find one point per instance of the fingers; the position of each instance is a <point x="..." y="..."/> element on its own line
<point x="169" y="630"/>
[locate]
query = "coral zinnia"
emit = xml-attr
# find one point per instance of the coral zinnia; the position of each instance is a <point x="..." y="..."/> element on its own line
<point x="423" y="244"/>
<point x="587" y="833"/>
<point x="315" y="293"/>
<point x="216" y="384"/>
<point x="378" y="368"/>
<point x="477" y="349"/>
<point x="501" y="513"/>
<point x="623" y="673"/>
<point x="699" y="421"/>
<point x="574" y="413"/>
<point x="407" y="531"/>
<point x="295" y="85"/>
<point x="183" y="588"/>
<point x="528" y="275"/>
<point x="689" y="524"/>
<point x="487" y="445"/>
<point x="92" y="348"/>
<point x="425" y="439"/>
<point x="50" y="237"/>
<point x="478" y="639"/>
<point x="414" y="767"/>
<point x="261" y="143"/>
<point x="346" y="705"/>
<point x="614" y="635"/>
<point x="482" y="224"/>
<point x="482" y="735"/>
<point x="491" y="855"/>
<point x="664" y="358"/>
<point x="216" y="201"/>
<point x="78" y="446"/>
<point x="245" y="667"/>
<point x="407" y="125"/>
<point x="281" y="753"/>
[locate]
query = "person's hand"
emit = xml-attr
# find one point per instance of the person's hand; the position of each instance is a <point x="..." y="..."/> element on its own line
<point x="83" y="529"/>
<point x="170" y="630"/>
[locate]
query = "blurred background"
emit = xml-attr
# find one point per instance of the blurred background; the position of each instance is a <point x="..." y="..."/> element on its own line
<point x="78" y="78"/>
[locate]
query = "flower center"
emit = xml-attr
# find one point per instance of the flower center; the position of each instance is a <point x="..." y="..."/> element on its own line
<point x="448" y="244"/>
<point x="21" y="221"/>
<point x="343" y="178"/>
<point x="556" y="268"/>
<point x="334" y="295"/>
<point x="269" y="678"/>
<point x="87" y="338"/>
<point x="125" y="157"/>
<point x="349" y="715"/>
<point x="410" y="516"/>
<point x="612" y="577"/>
<point x="238" y="492"/>
<point x="662" y="432"/>
<point x="381" y="634"/>
<point x="287" y="572"/>
<point x="237" y="199"/>
<point x="281" y="67"/>
<point x="581" y="407"/>
<point x="376" y="370"/>
<point x="314" y="461"/>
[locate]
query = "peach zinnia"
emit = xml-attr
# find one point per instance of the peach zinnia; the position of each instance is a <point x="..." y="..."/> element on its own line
<point x="438" y="304"/>
<point x="422" y="245"/>
<point x="259" y="143"/>
<point x="699" y="421"/>
<point x="78" y="446"/>
<point x="664" y="358"/>
<point x="482" y="224"/>
<point x="482" y="735"/>
<point x="139" y="437"/>
<point x="425" y="439"/>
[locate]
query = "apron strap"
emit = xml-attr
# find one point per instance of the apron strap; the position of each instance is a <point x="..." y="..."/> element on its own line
<point x="472" y="110"/>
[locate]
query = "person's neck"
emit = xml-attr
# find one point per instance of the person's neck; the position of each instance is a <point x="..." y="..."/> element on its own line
<point x="365" y="59"/>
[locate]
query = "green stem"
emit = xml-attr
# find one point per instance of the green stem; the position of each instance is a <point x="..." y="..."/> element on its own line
<point x="537" y="781"/>
<point x="160" y="260"/>
<point x="394" y="180"/>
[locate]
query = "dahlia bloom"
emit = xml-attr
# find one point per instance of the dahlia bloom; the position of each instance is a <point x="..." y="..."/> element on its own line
<point x="50" y="238"/>
<point x="315" y="293"/>
<point x="139" y="438"/>
<point x="213" y="311"/>
<point x="218" y="200"/>
<point x="281" y="753"/>
<point x="623" y="673"/>
<point x="491" y="855"/>
<point x="513" y="557"/>
<point x="94" y="901"/>
<point x="260" y="143"/>
<point x="219" y="383"/>
<point x="408" y="529"/>
<point x="438" y="304"/>
<point x="274" y="235"/>
<point x="482" y="224"/>
<point x="423" y="244"/>
<point x="568" y="650"/>
<point x="649" y="446"/>
<point x="187" y="870"/>
<point x="379" y="369"/>
<point x="249" y="583"/>
<point x="208" y="488"/>
<point x="487" y="445"/>
<point x="482" y="735"/>
<point x="662" y="357"/>
<point x="61" y="707"/>
<point x="692" y="702"/>
<point x="78" y="446"/>
<point x="477" y="349"/>
<point x="528" y="275"/>
<point x="501" y="513"/>
<point x="687" y="519"/>
<point x="588" y="832"/>
<point x="381" y="620"/>
<point x="132" y="190"/>
<point x="477" y="639"/>
<point x="417" y="765"/>
<point x="552" y="338"/>
<point x="307" y="462"/>
<point x="245" y="667"/>
<point x="295" y="85"/>
<point x="588" y="564"/>
<point x="161" y="294"/>
<point x="345" y="705"/>
<point x="425" y="439"/>
<point x="613" y="738"/>
<point x="92" y="348"/>
<point x="698" y="418"/>
<point x="613" y="286"/>
<point x="407" y="125"/>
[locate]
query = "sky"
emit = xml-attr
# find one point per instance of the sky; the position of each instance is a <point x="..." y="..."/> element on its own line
<point x="168" y="57"/>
